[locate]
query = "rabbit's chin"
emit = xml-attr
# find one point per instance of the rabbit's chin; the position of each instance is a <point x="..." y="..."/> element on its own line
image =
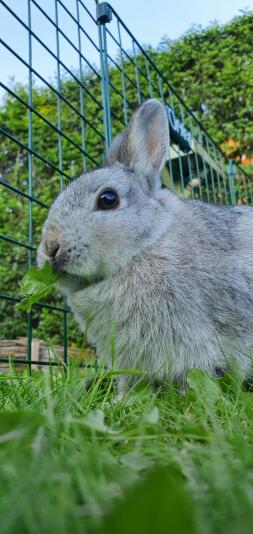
<point x="71" y="283"/>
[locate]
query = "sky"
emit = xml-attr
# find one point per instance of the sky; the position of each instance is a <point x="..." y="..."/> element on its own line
<point x="151" y="19"/>
<point x="148" y="20"/>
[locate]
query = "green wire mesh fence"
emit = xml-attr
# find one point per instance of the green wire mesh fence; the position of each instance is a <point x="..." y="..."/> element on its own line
<point x="84" y="74"/>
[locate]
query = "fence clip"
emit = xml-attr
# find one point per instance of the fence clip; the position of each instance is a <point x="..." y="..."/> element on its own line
<point x="104" y="13"/>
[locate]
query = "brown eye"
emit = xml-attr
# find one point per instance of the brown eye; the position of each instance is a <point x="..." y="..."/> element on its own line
<point x="108" y="200"/>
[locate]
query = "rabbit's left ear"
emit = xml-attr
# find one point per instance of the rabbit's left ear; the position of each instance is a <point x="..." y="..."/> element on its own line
<point x="143" y="147"/>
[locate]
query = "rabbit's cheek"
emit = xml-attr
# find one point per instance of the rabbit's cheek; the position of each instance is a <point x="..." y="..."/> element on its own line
<point x="84" y="263"/>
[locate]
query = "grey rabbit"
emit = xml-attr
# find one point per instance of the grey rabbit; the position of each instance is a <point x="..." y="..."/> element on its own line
<point x="172" y="278"/>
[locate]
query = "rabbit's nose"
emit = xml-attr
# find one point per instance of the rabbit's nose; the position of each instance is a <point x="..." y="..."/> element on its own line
<point x="51" y="247"/>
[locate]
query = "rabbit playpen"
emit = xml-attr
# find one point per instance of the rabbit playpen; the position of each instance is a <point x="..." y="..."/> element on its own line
<point x="84" y="73"/>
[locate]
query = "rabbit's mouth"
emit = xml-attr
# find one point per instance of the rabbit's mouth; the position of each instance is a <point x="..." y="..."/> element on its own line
<point x="69" y="280"/>
<point x="71" y="283"/>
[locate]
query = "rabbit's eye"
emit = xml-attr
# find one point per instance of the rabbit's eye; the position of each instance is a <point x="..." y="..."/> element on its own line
<point x="108" y="200"/>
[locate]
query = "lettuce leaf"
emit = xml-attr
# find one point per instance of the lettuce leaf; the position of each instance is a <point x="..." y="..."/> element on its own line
<point x="36" y="284"/>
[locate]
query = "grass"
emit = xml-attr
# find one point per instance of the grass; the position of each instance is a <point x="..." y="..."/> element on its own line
<point x="82" y="461"/>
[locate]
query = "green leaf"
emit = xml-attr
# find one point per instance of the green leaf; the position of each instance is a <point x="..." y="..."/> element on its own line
<point x="36" y="284"/>
<point x="94" y="421"/>
<point x="203" y="385"/>
<point x="160" y="503"/>
<point x="14" y="426"/>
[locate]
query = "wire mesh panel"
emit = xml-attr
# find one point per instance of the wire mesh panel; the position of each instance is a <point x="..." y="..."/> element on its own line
<point x="51" y="131"/>
<point x="81" y="74"/>
<point x="196" y="165"/>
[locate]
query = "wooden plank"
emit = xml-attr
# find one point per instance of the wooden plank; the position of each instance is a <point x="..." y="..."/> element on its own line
<point x="35" y="352"/>
<point x="17" y="349"/>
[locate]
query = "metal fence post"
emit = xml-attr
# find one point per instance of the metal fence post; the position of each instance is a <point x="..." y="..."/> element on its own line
<point x="231" y="175"/>
<point x="30" y="174"/>
<point x="104" y="15"/>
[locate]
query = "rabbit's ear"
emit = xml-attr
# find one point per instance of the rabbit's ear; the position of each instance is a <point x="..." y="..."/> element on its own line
<point x="143" y="147"/>
<point x="115" y="149"/>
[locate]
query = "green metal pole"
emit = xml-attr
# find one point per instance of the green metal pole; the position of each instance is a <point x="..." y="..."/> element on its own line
<point x="104" y="15"/>
<point x="137" y="77"/>
<point x="178" y="150"/>
<point x="30" y="176"/>
<point x="231" y="174"/>
<point x="221" y="162"/>
<point x="60" y="155"/>
<point x="169" y="158"/>
<point x="80" y="88"/>
<point x="123" y="81"/>
<point x="196" y="160"/>
<point x="211" y="169"/>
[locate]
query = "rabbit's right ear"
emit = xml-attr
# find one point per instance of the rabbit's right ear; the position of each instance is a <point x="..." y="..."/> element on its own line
<point x="143" y="147"/>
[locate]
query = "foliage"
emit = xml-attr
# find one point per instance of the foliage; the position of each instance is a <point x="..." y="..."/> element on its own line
<point x="36" y="285"/>
<point x="84" y="461"/>
<point x="212" y="67"/>
<point x="213" y="71"/>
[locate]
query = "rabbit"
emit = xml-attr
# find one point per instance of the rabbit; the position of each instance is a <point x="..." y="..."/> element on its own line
<point x="171" y="280"/>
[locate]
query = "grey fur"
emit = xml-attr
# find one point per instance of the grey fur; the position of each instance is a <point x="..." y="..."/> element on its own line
<point x="174" y="277"/>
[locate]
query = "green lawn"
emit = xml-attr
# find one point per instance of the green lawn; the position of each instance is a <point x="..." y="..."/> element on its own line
<point x="77" y="461"/>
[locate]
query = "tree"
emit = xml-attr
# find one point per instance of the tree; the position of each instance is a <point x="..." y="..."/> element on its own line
<point x="213" y="70"/>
